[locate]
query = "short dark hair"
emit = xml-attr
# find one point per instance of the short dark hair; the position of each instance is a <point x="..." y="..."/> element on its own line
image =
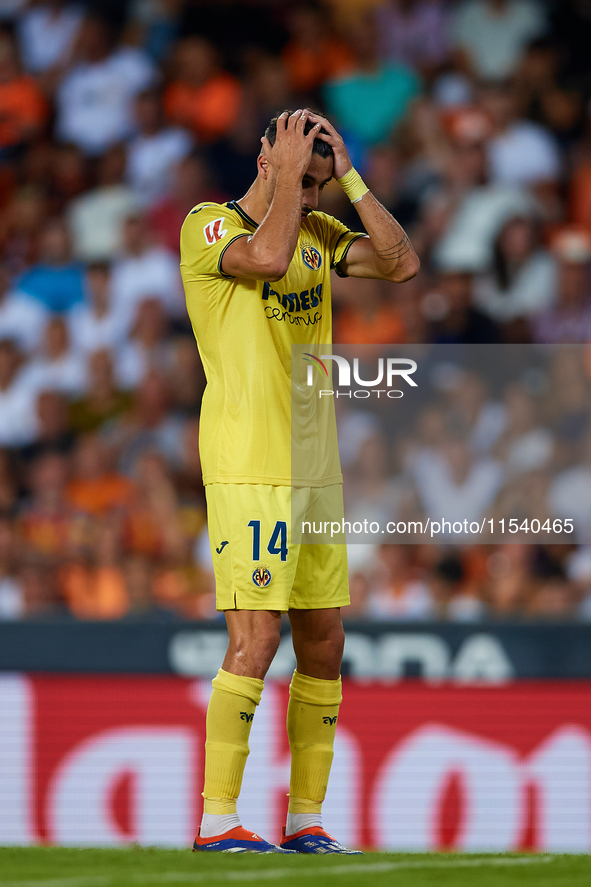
<point x="323" y="149"/>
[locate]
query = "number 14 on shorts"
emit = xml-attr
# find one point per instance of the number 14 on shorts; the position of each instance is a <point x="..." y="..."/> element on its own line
<point x="277" y="543"/>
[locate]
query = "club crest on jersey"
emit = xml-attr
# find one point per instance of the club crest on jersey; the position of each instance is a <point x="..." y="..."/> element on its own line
<point x="215" y="230"/>
<point x="261" y="577"/>
<point x="311" y="256"/>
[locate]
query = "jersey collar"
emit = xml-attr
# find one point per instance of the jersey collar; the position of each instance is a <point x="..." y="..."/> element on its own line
<point x="232" y="204"/>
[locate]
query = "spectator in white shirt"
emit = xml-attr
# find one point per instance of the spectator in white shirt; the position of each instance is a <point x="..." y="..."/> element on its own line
<point x="401" y="592"/>
<point x="466" y="212"/>
<point x="371" y="493"/>
<point x="145" y="271"/>
<point x="58" y="368"/>
<point x="523" y="278"/>
<point x="471" y="407"/>
<point x="17" y="400"/>
<point x="569" y="494"/>
<point x="454" y="485"/>
<point x="520" y="152"/>
<point x="153" y="154"/>
<point x="148" y="349"/>
<point x="526" y="444"/>
<point x="494" y="33"/>
<point x="95" y="100"/>
<point x="47" y="33"/>
<point x="96" y="217"/>
<point x="22" y="318"/>
<point x="94" y="325"/>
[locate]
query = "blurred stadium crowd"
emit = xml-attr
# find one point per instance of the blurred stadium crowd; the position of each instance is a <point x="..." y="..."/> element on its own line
<point x="469" y="120"/>
<point x="495" y="438"/>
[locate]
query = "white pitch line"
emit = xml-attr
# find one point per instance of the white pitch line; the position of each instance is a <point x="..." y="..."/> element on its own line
<point x="369" y="867"/>
<point x="376" y="867"/>
<point x="271" y="874"/>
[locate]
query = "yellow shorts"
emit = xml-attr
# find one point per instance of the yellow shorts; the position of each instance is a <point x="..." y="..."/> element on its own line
<point x="256" y="565"/>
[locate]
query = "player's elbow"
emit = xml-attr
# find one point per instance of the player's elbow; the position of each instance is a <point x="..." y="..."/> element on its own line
<point x="407" y="271"/>
<point x="269" y="265"/>
<point x="274" y="271"/>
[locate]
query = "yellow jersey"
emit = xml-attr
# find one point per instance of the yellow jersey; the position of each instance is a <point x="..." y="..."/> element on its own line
<point x="244" y="331"/>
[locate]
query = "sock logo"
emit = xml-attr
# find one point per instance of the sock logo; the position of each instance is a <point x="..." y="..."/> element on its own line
<point x="330" y="721"/>
<point x="222" y="546"/>
<point x="244" y="716"/>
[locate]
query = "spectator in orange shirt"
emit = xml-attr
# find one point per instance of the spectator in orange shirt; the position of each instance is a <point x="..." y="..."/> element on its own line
<point x="185" y="589"/>
<point x="152" y="524"/>
<point x="97" y="589"/>
<point x="370" y="317"/>
<point x="202" y="96"/>
<point x="95" y="489"/>
<point x="313" y="54"/>
<point x="580" y="195"/>
<point x="23" y="110"/>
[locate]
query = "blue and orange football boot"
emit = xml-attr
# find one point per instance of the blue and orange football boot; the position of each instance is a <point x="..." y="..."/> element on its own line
<point x="314" y="840"/>
<point x="237" y="840"/>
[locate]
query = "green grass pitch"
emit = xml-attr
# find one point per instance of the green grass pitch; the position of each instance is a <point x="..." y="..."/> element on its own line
<point x="57" y="867"/>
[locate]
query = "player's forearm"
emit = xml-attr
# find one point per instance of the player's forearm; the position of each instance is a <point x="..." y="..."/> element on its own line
<point x="276" y="238"/>
<point x="395" y="257"/>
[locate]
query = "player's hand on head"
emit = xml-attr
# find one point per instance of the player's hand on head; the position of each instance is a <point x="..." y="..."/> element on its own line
<point x="342" y="161"/>
<point x="293" y="148"/>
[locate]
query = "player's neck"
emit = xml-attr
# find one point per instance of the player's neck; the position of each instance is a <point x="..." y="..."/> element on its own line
<point x="254" y="202"/>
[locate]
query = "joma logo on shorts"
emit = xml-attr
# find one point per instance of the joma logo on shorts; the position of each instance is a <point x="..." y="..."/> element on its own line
<point x="244" y="716"/>
<point x="330" y="721"/>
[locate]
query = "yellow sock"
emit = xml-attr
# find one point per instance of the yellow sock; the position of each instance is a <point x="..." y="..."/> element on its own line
<point x="311" y="726"/>
<point x="229" y="719"/>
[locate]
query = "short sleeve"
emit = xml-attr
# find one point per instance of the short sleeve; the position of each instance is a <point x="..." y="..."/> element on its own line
<point x="340" y="239"/>
<point x="206" y="234"/>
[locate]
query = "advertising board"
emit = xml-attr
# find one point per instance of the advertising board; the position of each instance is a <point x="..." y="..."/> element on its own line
<point x="108" y="760"/>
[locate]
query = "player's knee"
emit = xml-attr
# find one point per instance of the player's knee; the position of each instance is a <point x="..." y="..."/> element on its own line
<point x="257" y="651"/>
<point x="337" y="642"/>
<point x="330" y="649"/>
<point x="268" y="645"/>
